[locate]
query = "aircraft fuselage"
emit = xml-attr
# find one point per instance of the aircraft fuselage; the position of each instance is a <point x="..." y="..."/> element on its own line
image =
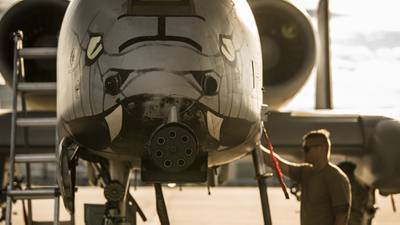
<point x="164" y="82"/>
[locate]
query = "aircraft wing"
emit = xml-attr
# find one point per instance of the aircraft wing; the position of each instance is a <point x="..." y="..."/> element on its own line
<point x="286" y="130"/>
<point x="369" y="141"/>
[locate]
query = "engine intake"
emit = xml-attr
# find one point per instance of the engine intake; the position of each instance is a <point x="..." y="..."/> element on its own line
<point x="288" y="46"/>
<point x="40" y="21"/>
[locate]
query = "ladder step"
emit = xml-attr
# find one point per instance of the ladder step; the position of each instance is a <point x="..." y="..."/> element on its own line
<point x="37" y="122"/>
<point x="38" y="86"/>
<point x="34" y="193"/>
<point x="36" y="158"/>
<point x="38" y="53"/>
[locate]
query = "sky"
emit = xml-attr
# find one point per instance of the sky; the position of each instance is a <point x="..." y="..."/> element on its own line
<point x="365" y="50"/>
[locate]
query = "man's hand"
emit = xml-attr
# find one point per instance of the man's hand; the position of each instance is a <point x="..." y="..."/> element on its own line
<point x="282" y="163"/>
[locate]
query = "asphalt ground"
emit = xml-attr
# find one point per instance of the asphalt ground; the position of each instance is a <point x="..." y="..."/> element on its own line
<point x="193" y="206"/>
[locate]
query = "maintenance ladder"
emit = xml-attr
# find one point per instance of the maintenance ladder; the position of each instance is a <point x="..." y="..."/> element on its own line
<point x="23" y="88"/>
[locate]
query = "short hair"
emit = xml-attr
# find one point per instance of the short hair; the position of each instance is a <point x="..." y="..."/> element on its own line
<point x="321" y="135"/>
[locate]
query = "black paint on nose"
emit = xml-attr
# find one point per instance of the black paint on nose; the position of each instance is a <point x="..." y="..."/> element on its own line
<point x="112" y="85"/>
<point x="210" y="85"/>
<point x="208" y="80"/>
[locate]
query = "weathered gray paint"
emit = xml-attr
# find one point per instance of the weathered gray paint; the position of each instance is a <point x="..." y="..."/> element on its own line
<point x="93" y="35"/>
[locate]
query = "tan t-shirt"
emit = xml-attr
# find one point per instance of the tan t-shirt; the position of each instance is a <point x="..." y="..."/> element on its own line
<point x="323" y="193"/>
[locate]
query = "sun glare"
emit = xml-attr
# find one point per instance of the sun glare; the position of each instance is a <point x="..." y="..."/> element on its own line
<point x="244" y="12"/>
<point x="365" y="50"/>
<point x="2" y="81"/>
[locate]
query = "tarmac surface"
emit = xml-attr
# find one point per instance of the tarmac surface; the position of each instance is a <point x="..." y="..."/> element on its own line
<point x="193" y="206"/>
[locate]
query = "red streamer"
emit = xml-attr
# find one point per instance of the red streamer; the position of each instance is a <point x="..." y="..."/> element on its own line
<point x="277" y="168"/>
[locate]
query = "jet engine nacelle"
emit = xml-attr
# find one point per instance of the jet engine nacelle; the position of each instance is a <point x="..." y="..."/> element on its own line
<point x="289" y="48"/>
<point x="40" y="21"/>
<point x="384" y="146"/>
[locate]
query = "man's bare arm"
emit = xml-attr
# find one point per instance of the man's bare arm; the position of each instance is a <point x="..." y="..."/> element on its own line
<point x="284" y="164"/>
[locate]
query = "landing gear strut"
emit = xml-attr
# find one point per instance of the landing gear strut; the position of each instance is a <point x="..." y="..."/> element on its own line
<point x="161" y="207"/>
<point x="121" y="207"/>
<point x="261" y="176"/>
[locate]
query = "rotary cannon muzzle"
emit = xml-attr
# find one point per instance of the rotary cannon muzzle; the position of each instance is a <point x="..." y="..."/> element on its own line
<point x="173" y="147"/>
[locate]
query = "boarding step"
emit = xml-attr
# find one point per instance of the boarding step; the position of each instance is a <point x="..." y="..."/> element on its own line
<point x="38" y="53"/>
<point x="37" y="122"/>
<point x="36" y="158"/>
<point x="37" y="86"/>
<point x="51" y="223"/>
<point x="42" y="193"/>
